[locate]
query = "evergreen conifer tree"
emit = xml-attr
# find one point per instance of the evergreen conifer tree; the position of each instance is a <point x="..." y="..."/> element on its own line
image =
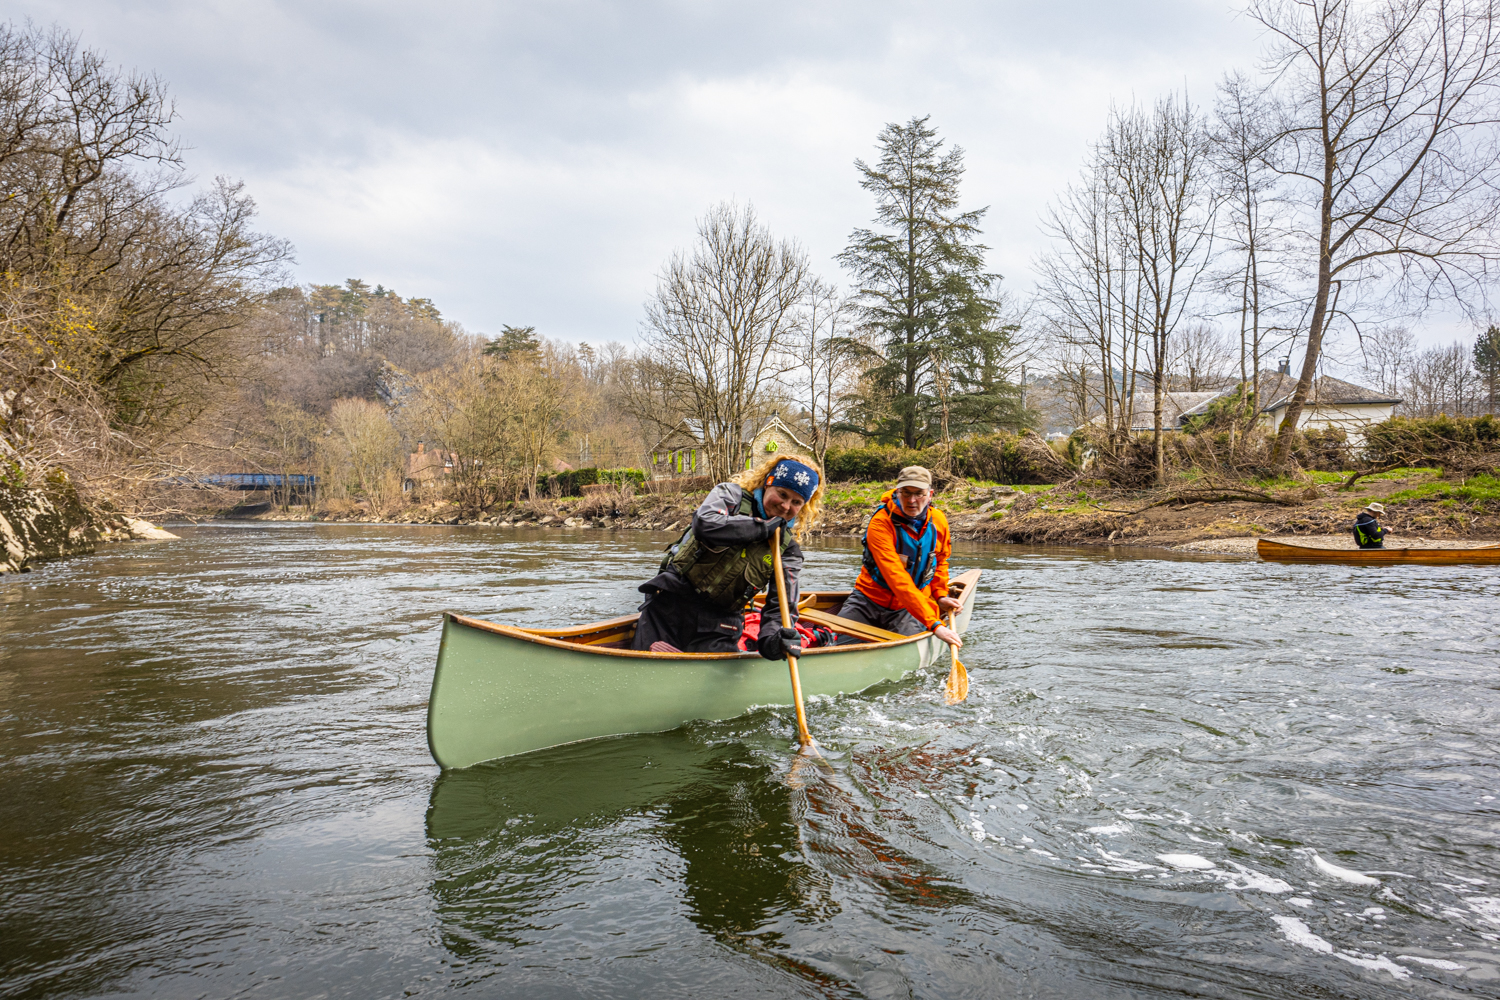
<point x="921" y="281"/>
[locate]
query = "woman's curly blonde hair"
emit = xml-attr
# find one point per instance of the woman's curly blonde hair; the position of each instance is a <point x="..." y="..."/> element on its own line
<point x="811" y="511"/>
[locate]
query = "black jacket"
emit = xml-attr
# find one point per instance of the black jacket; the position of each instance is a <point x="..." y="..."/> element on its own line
<point x="1367" y="526"/>
<point x="714" y="523"/>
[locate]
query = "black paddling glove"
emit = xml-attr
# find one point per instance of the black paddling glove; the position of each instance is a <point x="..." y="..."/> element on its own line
<point x="777" y="644"/>
<point x="770" y="529"/>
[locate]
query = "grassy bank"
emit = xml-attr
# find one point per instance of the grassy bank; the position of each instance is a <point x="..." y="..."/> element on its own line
<point x="1420" y="502"/>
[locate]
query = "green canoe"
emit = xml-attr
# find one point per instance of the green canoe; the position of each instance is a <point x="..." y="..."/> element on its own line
<point x="500" y="690"/>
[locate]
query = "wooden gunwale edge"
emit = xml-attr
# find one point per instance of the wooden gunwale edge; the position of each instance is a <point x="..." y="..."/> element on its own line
<point x="967" y="580"/>
<point x="1408" y="548"/>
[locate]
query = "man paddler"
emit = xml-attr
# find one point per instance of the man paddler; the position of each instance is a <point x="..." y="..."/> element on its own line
<point x="1368" y="534"/>
<point x="696" y="603"/>
<point x="903" y="579"/>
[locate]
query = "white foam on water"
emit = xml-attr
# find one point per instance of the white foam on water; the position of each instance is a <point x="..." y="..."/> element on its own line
<point x="1436" y="963"/>
<point x="1189" y="861"/>
<point x="1249" y="879"/>
<point x="1487" y="907"/>
<point x="1120" y="864"/>
<point x="1112" y="829"/>
<point x="1300" y="934"/>
<point x="1345" y="874"/>
<point x="1375" y="962"/>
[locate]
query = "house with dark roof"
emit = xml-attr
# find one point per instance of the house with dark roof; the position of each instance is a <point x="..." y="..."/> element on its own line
<point x="1173" y="405"/>
<point x="1331" y="403"/>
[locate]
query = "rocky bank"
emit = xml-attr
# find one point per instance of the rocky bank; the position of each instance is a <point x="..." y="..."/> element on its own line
<point x="37" y="525"/>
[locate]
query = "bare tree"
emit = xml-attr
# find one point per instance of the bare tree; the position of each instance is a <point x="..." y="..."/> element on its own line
<point x="1203" y="358"/>
<point x="459" y="410"/>
<point x="1442" y="380"/>
<point x="721" y="328"/>
<point x="364" y="451"/>
<point x="1247" y="229"/>
<point x="831" y="358"/>
<point x="1133" y="242"/>
<point x="1092" y="302"/>
<point x="1161" y="165"/>
<point x="1387" y="354"/>
<point x="544" y="393"/>
<point x="1385" y="141"/>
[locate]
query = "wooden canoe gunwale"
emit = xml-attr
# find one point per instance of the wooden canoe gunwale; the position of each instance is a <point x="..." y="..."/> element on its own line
<point x="1286" y="552"/>
<point x="554" y="637"/>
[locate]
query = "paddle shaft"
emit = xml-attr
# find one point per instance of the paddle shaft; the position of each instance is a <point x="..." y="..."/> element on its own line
<point x="803" y="736"/>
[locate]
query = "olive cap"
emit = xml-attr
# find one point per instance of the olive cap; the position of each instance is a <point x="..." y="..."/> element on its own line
<point x="914" y="475"/>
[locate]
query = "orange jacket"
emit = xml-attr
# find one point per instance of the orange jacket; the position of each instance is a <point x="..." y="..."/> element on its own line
<point x="880" y="540"/>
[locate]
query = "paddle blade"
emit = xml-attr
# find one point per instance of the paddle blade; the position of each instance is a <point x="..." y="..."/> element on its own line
<point x="957" y="688"/>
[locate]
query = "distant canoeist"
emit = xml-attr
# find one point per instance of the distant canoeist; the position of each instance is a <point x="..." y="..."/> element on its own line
<point x="1368" y="534"/>
<point x="903" y="582"/>
<point x="696" y="603"/>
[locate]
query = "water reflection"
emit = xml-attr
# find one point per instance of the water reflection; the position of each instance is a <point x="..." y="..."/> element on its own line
<point x="547" y="818"/>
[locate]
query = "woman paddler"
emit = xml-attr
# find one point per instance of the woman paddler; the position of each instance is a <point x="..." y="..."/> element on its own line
<point x="696" y="603"/>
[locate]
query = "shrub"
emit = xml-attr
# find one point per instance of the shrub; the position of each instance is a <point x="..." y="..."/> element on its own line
<point x="571" y="483"/>
<point x="1410" y="437"/>
<point x="1000" y="458"/>
<point x="874" y="462"/>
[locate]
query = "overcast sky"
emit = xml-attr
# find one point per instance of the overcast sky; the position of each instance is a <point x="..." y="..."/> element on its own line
<point x="534" y="163"/>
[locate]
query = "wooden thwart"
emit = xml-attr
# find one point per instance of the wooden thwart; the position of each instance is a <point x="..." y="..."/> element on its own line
<point x="848" y="627"/>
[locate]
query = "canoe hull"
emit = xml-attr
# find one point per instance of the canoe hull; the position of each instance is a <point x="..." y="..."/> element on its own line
<point x="1282" y="552"/>
<point x="498" y="691"/>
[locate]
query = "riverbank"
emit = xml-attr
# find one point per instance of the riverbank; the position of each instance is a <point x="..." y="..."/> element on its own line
<point x="1420" y="504"/>
<point x="41" y="524"/>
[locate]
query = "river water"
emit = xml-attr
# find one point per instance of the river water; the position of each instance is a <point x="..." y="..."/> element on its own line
<point x="1166" y="781"/>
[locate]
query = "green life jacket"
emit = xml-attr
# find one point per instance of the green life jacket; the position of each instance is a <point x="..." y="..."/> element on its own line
<point x="727" y="576"/>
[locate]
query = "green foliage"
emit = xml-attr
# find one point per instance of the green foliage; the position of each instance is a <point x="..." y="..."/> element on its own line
<point x="998" y="458"/>
<point x="874" y="463"/>
<point x="1222" y="412"/>
<point x="571" y="483"/>
<point x="12" y="474"/>
<point x="514" y="342"/>
<point x="1483" y="492"/>
<point x="1414" y="436"/>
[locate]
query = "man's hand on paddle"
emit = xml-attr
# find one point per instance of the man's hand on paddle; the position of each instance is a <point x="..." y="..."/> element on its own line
<point x="943" y="632"/>
<point x="949" y="636"/>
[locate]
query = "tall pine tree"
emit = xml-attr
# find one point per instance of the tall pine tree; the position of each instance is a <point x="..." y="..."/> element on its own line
<point x="921" y="282"/>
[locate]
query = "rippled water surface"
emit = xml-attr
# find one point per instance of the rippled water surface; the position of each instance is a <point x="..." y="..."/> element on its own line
<point x="1166" y="781"/>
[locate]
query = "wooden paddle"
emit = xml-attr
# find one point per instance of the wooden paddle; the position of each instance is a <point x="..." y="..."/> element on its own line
<point x="803" y="736"/>
<point x="958" y="678"/>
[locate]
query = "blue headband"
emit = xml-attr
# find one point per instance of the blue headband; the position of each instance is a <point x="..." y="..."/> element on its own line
<point x="800" y="479"/>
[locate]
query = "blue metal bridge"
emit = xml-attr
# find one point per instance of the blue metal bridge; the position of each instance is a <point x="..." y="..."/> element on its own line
<point x="251" y="481"/>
